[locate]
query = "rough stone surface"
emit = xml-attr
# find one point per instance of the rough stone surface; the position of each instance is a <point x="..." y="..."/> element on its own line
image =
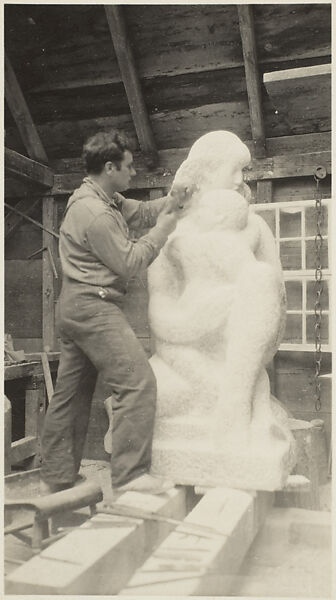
<point x="217" y="311"/>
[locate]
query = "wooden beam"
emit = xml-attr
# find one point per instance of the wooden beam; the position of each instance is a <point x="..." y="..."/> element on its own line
<point x="264" y="191"/>
<point x="28" y="169"/>
<point x="108" y="550"/>
<point x="302" y="96"/>
<point x="49" y="212"/>
<point x="278" y="167"/>
<point x="23" y="448"/>
<point x="22" y="116"/>
<point x="246" y="24"/>
<point x="131" y="81"/>
<point x="191" y="565"/>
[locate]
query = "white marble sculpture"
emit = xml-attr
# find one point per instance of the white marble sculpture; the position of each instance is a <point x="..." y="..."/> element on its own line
<point x="217" y="312"/>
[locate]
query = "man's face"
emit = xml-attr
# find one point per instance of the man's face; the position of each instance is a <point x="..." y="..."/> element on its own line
<point x="120" y="178"/>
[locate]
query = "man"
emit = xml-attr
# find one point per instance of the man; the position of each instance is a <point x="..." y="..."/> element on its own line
<point x="97" y="343"/>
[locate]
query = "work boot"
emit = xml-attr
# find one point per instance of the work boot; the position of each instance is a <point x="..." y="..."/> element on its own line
<point x="146" y="484"/>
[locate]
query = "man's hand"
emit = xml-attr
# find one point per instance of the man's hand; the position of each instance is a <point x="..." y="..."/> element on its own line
<point x="167" y="219"/>
<point x="179" y="196"/>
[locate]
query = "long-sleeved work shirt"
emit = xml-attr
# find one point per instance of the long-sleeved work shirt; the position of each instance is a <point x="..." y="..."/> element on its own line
<point x="95" y="248"/>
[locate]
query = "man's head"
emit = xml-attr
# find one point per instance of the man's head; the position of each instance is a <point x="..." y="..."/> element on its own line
<point x="108" y="158"/>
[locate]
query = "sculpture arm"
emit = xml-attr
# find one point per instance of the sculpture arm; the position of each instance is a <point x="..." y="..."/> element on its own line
<point x="266" y="250"/>
<point x="187" y="318"/>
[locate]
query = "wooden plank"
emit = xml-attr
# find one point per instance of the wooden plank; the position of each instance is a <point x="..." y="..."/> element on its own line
<point x="47" y="375"/>
<point x="253" y="85"/>
<point x="108" y="550"/>
<point x="300" y="165"/>
<point x="14" y="220"/>
<point x="116" y="23"/>
<point x="19" y="371"/>
<point x="278" y="146"/>
<point x="22" y="116"/>
<point x="22" y="449"/>
<point x="50" y="221"/>
<point x="27" y="168"/>
<point x="192" y="565"/>
<point x="302" y="96"/>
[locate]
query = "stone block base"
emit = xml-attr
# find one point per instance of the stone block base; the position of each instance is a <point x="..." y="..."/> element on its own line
<point x="238" y="466"/>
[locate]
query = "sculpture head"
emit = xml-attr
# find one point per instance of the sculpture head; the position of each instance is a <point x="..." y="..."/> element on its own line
<point x="215" y="161"/>
<point x="228" y="155"/>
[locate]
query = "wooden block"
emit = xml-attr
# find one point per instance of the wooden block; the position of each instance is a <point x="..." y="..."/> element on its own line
<point x="304" y="433"/>
<point x="189" y="564"/>
<point x="23" y="448"/>
<point x="101" y="555"/>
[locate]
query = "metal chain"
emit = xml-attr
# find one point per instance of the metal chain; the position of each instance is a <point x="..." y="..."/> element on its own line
<point x="319" y="174"/>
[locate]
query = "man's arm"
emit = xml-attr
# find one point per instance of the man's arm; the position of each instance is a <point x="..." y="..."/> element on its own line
<point x="124" y="258"/>
<point x="140" y="215"/>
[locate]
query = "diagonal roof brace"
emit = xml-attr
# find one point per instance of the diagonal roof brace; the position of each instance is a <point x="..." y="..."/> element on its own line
<point x="253" y="83"/>
<point x="132" y="84"/>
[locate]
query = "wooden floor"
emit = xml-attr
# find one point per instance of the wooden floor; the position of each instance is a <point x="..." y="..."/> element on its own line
<point x="286" y="567"/>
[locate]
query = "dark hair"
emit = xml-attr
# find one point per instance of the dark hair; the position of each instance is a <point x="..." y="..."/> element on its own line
<point x="102" y="147"/>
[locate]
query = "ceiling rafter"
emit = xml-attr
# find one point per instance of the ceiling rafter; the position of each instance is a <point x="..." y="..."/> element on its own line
<point x="131" y="82"/>
<point x="22" y="116"/>
<point x="28" y="169"/>
<point x="32" y="142"/>
<point x="253" y="84"/>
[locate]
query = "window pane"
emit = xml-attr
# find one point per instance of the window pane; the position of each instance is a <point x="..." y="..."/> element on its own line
<point x="293" y="333"/>
<point x="290" y="223"/>
<point x="311" y="254"/>
<point x="311" y="295"/>
<point x="294" y="295"/>
<point x="324" y="329"/>
<point x="269" y="217"/>
<point x="311" y="220"/>
<point x="290" y="255"/>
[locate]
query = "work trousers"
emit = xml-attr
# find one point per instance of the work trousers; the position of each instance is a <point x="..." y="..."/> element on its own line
<point x="98" y="347"/>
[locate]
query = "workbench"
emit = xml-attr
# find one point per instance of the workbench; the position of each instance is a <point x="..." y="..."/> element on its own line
<point x="35" y="378"/>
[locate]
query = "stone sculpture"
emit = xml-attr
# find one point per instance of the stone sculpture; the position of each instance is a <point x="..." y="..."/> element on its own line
<point x="217" y="312"/>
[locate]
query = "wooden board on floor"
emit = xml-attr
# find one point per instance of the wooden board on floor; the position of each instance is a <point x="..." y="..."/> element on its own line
<point x="100" y="556"/>
<point x="195" y="565"/>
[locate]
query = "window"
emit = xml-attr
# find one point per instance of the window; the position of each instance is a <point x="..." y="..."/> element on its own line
<point x="294" y="227"/>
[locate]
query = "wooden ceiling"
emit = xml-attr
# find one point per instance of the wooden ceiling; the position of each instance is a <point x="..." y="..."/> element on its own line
<point x="185" y="63"/>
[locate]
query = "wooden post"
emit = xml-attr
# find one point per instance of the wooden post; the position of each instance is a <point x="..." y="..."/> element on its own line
<point x="264" y="191"/>
<point x="35" y="408"/>
<point x="49" y="212"/>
